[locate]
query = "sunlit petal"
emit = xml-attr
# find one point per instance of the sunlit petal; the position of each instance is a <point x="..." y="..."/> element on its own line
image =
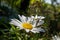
<point x="41" y="17"/>
<point x="14" y="22"/>
<point x="20" y="18"/>
<point x="35" y="30"/>
<point x="24" y="18"/>
<point x="27" y="30"/>
<point x="40" y="23"/>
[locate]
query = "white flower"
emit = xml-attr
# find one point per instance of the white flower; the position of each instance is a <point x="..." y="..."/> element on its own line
<point x="55" y="37"/>
<point x="29" y="23"/>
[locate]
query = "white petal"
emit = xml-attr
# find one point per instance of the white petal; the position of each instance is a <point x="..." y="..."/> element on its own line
<point x="40" y="22"/>
<point x="27" y="30"/>
<point x="32" y="16"/>
<point x="35" y="30"/>
<point x="40" y="29"/>
<point x="20" y="18"/>
<point x="41" y="17"/>
<point x="16" y="22"/>
<point x="34" y="23"/>
<point x="24" y="18"/>
<point x="29" y="19"/>
<point x="36" y="17"/>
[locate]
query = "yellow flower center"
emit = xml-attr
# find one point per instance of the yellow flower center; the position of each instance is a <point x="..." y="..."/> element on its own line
<point x="27" y="26"/>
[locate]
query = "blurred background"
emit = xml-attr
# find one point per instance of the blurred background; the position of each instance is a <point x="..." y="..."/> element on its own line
<point x="48" y="8"/>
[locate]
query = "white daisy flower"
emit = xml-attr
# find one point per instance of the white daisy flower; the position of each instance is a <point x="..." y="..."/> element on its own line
<point x="29" y="23"/>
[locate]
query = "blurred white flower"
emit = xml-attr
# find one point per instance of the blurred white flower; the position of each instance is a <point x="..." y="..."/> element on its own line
<point x="55" y="37"/>
<point x="29" y="23"/>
